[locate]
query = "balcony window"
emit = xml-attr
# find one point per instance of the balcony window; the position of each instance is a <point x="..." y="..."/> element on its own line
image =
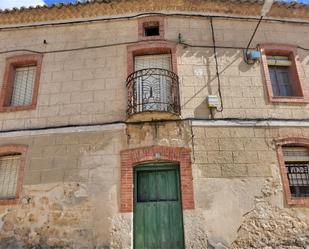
<point x="153" y="86"/>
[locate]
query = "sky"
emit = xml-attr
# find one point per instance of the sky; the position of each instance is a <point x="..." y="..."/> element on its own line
<point x="26" y="3"/>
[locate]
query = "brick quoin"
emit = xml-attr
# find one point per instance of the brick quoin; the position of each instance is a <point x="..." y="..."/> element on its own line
<point x="10" y="149"/>
<point x="132" y="157"/>
<point x="295" y="141"/>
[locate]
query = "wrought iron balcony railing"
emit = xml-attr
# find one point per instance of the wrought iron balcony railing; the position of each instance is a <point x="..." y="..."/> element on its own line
<point x="153" y="89"/>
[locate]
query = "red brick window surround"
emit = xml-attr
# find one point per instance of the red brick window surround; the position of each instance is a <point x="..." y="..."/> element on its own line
<point x="12" y="168"/>
<point x="151" y="28"/>
<point x="295" y="169"/>
<point x="287" y="72"/>
<point x="133" y="157"/>
<point x="13" y="64"/>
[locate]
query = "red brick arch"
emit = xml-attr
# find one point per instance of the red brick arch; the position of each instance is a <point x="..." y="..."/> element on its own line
<point x="132" y="157"/>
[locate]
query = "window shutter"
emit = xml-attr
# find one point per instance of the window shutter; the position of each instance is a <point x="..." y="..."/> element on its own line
<point x="153" y="61"/>
<point x="23" y="86"/>
<point x="9" y="166"/>
<point x="296" y="154"/>
<point x="278" y="61"/>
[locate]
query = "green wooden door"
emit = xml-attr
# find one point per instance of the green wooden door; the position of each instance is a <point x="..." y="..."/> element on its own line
<point x="157" y="208"/>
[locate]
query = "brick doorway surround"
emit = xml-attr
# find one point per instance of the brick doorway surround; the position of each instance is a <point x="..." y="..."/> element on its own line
<point x="133" y="157"/>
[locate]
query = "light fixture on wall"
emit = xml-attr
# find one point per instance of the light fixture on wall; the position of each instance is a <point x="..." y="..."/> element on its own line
<point x="157" y="155"/>
<point x="180" y="38"/>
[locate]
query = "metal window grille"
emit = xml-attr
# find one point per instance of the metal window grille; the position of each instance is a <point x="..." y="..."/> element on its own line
<point x="23" y="86"/>
<point x="9" y="166"/>
<point x="153" y="91"/>
<point x="297" y="164"/>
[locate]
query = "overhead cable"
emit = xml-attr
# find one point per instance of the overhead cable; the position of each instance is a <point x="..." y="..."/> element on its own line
<point x="217" y="66"/>
<point x="269" y="19"/>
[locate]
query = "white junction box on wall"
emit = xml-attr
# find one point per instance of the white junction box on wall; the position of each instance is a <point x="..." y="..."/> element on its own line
<point x="212" y="101"/>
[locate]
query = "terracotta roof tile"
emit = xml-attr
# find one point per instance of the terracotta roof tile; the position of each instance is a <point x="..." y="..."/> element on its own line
<point x="92" y="8"/>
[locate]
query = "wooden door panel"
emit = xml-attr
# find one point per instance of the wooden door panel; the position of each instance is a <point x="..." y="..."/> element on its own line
<point x="157" y="209"/>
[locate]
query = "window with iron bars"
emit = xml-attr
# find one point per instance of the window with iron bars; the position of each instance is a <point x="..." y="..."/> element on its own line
<point x="23" y="86"/>
<point x="9" y="168"/>
<point x="296" y="160"/>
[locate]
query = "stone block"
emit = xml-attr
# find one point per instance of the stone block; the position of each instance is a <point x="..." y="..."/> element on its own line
<point x="57" y="150"/>
<point x="232" y="144"/>
<point x="68" y="162"/>
<point x="52" y="176"/>
<point x="71" y="86"/>
<point x="41" y="163"/>
<point x="60" y="98"/>
<point x="217" y="132"/>
<point x="255" y="144"/>
<point x="82" y="97"/>
<point x="208" y="144"/>
<point x="97" y="84"/>
<point x="267" y="156"/>
<point x="76" y="175"/>
<point x="62" y="76"/>
<point x="260" y="169"/>
<point x="83" y="75"/>
<point x="70" y="109"/>
<point x="234" y="170"/>
<point x="241" y="132"/>
<point x="211" y="170"/>
<point x="32" y="177"/>
<point x="48" y="111"/>
<point x="200" y="156"/>
<point x="13" y="124"/>
<point x="245" y="157"/>
<point x="219" y="157"/>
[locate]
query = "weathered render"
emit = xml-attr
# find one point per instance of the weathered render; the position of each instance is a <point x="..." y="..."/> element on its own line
<point x="71" y="196"/>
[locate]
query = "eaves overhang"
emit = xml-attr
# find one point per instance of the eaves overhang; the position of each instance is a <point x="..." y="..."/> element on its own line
<point x="95" y="8"/>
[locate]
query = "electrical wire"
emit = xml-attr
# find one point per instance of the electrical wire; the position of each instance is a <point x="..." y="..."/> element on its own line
<point x="210" y="46"/>
<point x="217" y="66"/>
<point x="235" y="120"/>
<point x="300" y="47"/>
<point x="110" y="45"/>
<point x="192" y="141"/>
<point x="251" y="39"/>
<point x="124" y="43"/>
<point x="255" y="30"/>
<point x="151" y="14"/>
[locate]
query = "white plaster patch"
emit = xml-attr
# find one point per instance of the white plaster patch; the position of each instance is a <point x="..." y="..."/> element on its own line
<point x="224" y="203"/>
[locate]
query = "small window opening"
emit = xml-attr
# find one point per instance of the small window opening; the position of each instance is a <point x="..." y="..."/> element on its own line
<point x="151" y="29"/>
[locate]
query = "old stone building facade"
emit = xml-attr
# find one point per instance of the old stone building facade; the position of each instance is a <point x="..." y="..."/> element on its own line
<point x="109" y="138"/>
